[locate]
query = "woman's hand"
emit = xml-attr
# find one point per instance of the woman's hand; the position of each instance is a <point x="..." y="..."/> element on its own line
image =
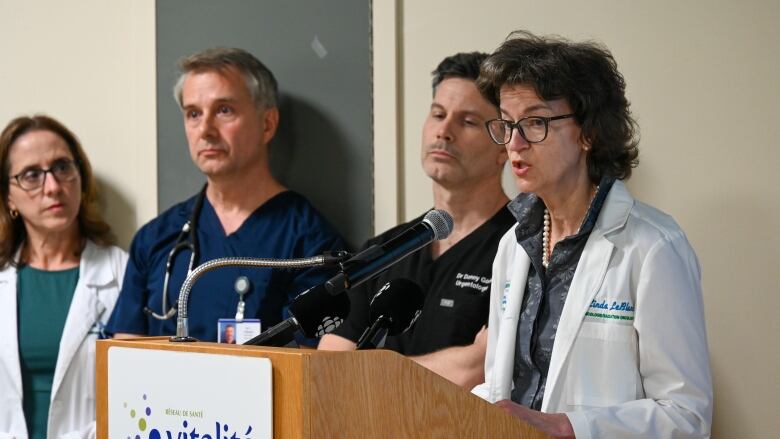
<point x="556" y="425"/>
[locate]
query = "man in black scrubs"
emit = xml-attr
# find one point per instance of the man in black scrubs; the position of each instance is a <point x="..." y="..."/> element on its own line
<point x="465" y="168"/>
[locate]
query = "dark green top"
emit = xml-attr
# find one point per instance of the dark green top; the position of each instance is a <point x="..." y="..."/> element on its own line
<point x="44" y="300"/>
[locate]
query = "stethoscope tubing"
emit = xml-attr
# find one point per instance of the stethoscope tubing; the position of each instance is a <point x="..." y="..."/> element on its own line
<point x="187" y="240"/>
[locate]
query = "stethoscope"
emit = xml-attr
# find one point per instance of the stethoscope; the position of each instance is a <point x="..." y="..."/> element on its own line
<point x="187" y="240"/>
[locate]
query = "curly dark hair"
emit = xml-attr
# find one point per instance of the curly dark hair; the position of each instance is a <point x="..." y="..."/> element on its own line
<point x="461" y="65"/>
<point x="585" y="75"/>
<point x="12" y="231"/>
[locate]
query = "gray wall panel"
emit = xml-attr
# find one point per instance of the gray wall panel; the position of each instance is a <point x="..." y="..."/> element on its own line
<point x="323" y="148"/>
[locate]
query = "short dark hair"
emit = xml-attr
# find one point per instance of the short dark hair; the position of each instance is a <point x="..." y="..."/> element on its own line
<point x="260" y="81"/>
<point x="585" y="75"/>
<point x="12" y="231"/>
<point x="461" y="65"/>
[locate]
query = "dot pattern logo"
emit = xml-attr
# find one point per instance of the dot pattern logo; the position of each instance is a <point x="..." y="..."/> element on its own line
<point x="141" y="418"/>
<point x="142" y="421"/>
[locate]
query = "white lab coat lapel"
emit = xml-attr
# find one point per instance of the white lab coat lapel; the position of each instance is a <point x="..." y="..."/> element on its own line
<point x="587" y="280"/>
<point x="9" y="350"/>
<point x="503" y="370"/>
<point x="85" y="308"/>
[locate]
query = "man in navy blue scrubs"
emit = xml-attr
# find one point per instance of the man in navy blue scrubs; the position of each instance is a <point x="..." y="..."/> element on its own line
<point x="229" y="104"/>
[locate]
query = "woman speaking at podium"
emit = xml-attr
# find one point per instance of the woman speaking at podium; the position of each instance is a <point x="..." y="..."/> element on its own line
<point x="59" y="280"/>
<point x="596" y="325"/>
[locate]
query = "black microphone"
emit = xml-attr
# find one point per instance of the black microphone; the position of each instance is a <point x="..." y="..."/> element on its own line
<point x="393" y="309"/>
<point x="314" y="312"/>
<point x="436" y="225"/>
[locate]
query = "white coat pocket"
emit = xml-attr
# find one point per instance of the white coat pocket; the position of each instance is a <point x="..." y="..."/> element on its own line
<point x="607" y="363"/>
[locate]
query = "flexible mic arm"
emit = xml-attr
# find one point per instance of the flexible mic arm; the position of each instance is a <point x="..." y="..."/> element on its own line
<point x="182" y="331"/>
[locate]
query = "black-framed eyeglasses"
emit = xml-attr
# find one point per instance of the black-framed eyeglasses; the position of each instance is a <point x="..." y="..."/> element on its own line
<point x="63" y="171"/>
<point x="532" y="128"/>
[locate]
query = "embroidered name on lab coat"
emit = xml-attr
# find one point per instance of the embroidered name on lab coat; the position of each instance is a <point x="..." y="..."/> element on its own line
<point x="613" y="310"/>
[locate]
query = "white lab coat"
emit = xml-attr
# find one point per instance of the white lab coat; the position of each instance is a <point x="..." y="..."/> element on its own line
<point x="72" y="410"/>
<point x="639" y="370"/>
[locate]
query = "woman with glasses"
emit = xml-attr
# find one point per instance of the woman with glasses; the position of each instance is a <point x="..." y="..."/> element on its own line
<point x="59" y="280"/>
<point x="596" y="326"/>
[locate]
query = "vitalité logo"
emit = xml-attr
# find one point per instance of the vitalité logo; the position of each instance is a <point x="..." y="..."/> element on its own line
<point x="141" y="421"/>
<point x="189" y="430"/>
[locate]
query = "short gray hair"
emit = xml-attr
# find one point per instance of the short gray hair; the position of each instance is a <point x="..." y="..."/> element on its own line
<point x="259" y="79"/>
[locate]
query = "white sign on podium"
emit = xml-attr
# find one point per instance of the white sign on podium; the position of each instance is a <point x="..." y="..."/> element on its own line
<point x="156" y="394"/>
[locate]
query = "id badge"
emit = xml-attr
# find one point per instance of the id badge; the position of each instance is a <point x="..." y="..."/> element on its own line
<point x="232" y="331"/>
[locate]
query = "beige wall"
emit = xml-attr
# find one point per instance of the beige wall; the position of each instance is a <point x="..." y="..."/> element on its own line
<point x="702" y="78"/>
<point x="90" y="64"/>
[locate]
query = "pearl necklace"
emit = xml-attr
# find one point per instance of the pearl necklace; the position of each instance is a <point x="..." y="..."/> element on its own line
<point x="546" y="230"/>
<point x="546" y="239"/>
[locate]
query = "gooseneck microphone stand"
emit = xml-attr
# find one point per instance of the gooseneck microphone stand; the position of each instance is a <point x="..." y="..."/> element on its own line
<point x="182" y="331"/>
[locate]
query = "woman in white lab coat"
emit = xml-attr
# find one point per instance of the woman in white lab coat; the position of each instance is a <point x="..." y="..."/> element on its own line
<point x="596" y="324"/>
<point x="59" y="280"/>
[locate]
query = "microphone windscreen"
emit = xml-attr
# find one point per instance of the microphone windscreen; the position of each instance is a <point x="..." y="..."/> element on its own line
<point x="440" y="222"/>
<point x="318" y="312"/>
<point x="400" y="300"/>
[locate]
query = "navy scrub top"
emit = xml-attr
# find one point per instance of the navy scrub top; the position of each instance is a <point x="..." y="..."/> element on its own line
<point x="286" y="226"/>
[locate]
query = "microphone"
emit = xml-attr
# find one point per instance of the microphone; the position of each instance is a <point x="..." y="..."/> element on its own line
<point x="314" y="312"/>
<point x="436" y="225"/>
<point x="393" y="309"/>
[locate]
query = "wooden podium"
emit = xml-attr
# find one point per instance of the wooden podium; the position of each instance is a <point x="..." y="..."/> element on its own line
<point x="364" y="394"/>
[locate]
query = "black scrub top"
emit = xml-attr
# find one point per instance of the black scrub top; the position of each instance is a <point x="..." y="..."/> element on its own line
<point x="456" y="287"/>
